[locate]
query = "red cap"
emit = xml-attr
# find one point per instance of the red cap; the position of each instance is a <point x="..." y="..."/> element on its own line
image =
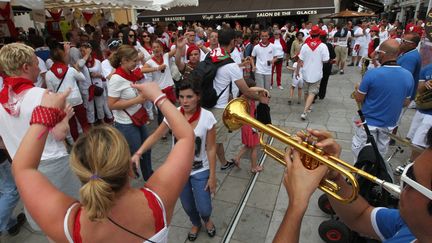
<point x="375" y="28"/>
<point x="323" y="33"/>
<point x="315" y="30"/>
<point x="191" y="49"/>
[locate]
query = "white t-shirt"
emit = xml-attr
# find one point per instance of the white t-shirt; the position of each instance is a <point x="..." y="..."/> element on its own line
<point x="147" y="55"/>
<point x="13" y="129"/>
<point x="313" y="62"/>
<point x="163" y="79"/>
<point x="279" y="52"/>
<point x="70" y="81"/>
<point x="224" y="76"/>
<point x="237" y="55"/>
<point x="43" y="69"/>
<point x="107" y="69"/>
<point x="97" y="68"/>
<point x="118" y="87"/>
<point x="305" y="32"/>
<point x="205" y="123"/>
<point x="263" y="55"/>
<point x="383" y="36"/>
<point x="343" y="41"/>
<point x="361" y="40"/>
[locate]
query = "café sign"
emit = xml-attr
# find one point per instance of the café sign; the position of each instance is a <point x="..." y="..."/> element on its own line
<point x="238" y="15"/>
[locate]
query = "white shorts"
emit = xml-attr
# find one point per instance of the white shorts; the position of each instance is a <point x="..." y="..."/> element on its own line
<point x="420" y="125"/>
<point x="361" y="52"/>
<point x="297" y="83"/>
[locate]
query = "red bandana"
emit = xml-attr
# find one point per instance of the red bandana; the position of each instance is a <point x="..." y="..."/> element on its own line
<point x="218" y="55"/>
<point x="133" y="76"/>
<point x="313" y="43"/>
<point x="59" y="69"/>
<point x="195" y="116"/>
<point x="246" y="42"/>
<point x="262" y="45"/>
<point x="157" y="61"/>
<point x="149" y="50"/>
<point x="12" y="93"/>
<point x="90" y="62"/>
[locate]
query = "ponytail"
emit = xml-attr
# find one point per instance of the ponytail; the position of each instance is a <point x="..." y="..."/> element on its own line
<point x="97" y="197"/>
<point x="114" y="60"/>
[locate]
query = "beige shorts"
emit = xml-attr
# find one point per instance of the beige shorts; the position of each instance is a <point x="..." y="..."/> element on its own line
<point x="312" y="88"/>
<point x="341" y="53"/>
<point x="221" y="130"/>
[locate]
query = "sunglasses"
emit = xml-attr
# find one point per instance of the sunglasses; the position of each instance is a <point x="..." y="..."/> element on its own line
<point x="408" y="178"/>
<point x="407" y="41"/>
<point x="379" y="51"/>
<point x="131" y="35"/>
<point x="144" y="36"/>
<point x="114" y="44"/>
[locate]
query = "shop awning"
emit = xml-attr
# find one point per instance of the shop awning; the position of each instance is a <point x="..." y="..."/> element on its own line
<point x="239" y="9"/>
<point x="373" y="5"/>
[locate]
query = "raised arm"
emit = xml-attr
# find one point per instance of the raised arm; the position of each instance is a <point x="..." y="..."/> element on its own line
<point x="48" y="205"/>
<point x="181" y="43"/>
<point x="169" y="179"/>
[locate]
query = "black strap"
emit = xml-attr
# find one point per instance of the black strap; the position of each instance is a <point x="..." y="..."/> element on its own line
<point x="61" y="82"/>
<point x="130" y="232"/>
<point x="220" y="94"/>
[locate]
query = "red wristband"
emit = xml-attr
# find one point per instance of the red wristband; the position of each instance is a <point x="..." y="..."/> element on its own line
<point x="47" y="116"/>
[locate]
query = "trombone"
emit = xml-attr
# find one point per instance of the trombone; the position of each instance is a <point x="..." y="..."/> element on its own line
<point x="236" y="115"/>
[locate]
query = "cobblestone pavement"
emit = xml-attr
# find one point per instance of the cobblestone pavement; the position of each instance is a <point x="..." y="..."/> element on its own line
<point x="266" y="206"/>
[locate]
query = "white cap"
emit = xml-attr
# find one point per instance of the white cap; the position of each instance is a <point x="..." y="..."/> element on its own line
<point x="218" y="27"/>
<point x="179" y="28"/>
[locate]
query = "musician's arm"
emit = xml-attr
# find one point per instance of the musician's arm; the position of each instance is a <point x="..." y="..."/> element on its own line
<point x="357" y="214"/>
<point x="359" y="97"/>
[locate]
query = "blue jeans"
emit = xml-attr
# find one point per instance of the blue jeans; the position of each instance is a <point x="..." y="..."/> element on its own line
<point x="196" y="201"/>
<point x="9" y="197"/>
<point x="135" y="136"/>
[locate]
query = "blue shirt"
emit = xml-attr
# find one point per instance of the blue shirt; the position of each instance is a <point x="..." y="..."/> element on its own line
<point x="411" y="61"/>
<point x="385" y="90"/>
<point x="390" y="227"/>
<point x="425" y="75"/>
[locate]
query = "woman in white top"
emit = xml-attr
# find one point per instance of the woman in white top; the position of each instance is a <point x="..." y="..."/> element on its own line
<point x="125" y="102"/>
<point x="109" y="209"/>
<point x="196" y="195"/>
<point x="279" y="48"/>
<point x="383" y="34"/>
<point x="158" y="69"/>
<point x="146" y="45"/>
<point x="59" y="78"/>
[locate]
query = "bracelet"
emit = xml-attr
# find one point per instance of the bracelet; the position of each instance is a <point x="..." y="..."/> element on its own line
<point x="161" y="101"/>
<point x="47" y="116"/>
<point x="156" y="101"/>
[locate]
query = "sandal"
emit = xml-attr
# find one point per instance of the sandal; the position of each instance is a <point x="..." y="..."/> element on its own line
<point x="194" y="236"/>
<point x="211" y="232"/>
<point x="257" y="169"/>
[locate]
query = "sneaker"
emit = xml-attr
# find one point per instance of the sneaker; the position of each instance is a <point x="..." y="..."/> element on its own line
<point x="280" y="87"/>
<point x="289" y="101"/>
<point x="298" y="102"/>
<point x="271" y="87"/>
<point x="351" y="65"/>
<point x="228" y="165"/>
<point x="341" y="71"/>
<point x="303" y="116"/>
<point x="14" y="230"/>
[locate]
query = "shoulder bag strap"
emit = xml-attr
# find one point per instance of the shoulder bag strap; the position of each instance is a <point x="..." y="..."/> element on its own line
<point x="61" y="82"/>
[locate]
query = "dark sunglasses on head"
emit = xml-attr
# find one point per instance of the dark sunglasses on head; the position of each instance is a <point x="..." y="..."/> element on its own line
<point x="114" y="44"/>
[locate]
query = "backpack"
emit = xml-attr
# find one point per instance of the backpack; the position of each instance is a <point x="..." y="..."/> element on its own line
<point x="203" y="75"/>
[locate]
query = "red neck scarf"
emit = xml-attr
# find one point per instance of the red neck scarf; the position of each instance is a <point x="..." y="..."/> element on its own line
<point x="13" y="92"/>
<point x="262" y="45"/>
<point x="158" y="62"/>
<point x="133" y="76"/>
<point x="246" y="42"/>
<point x="59" y="69"/>
<point x="195" y="116"/>
<point x="313" y="43"/>
<point x="90" y="61"/>
<point x="218" y="55"/>
<point x="148" y="49"/>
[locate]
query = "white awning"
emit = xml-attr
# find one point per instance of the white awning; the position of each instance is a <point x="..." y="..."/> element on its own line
<point x="156" y="5"/>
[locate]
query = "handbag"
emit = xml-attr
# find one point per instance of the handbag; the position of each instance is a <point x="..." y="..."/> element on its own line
<point x="94" y="90"/>
<point x="139" y="118"/>
<point x="424" y="100"/>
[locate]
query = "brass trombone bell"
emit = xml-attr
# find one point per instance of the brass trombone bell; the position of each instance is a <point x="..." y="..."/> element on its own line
<point x="236" y="114"/>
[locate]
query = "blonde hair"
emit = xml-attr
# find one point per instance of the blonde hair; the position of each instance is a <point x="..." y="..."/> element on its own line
<point x="101" y="160"/>
<point x="124" y="51"/>
<point x="13" y="56"/>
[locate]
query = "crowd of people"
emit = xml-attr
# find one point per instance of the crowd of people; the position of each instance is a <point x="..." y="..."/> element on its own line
<point x="75" y="118"/>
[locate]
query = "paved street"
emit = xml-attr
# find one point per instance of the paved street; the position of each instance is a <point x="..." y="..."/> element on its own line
<point x="266" y="206"/>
